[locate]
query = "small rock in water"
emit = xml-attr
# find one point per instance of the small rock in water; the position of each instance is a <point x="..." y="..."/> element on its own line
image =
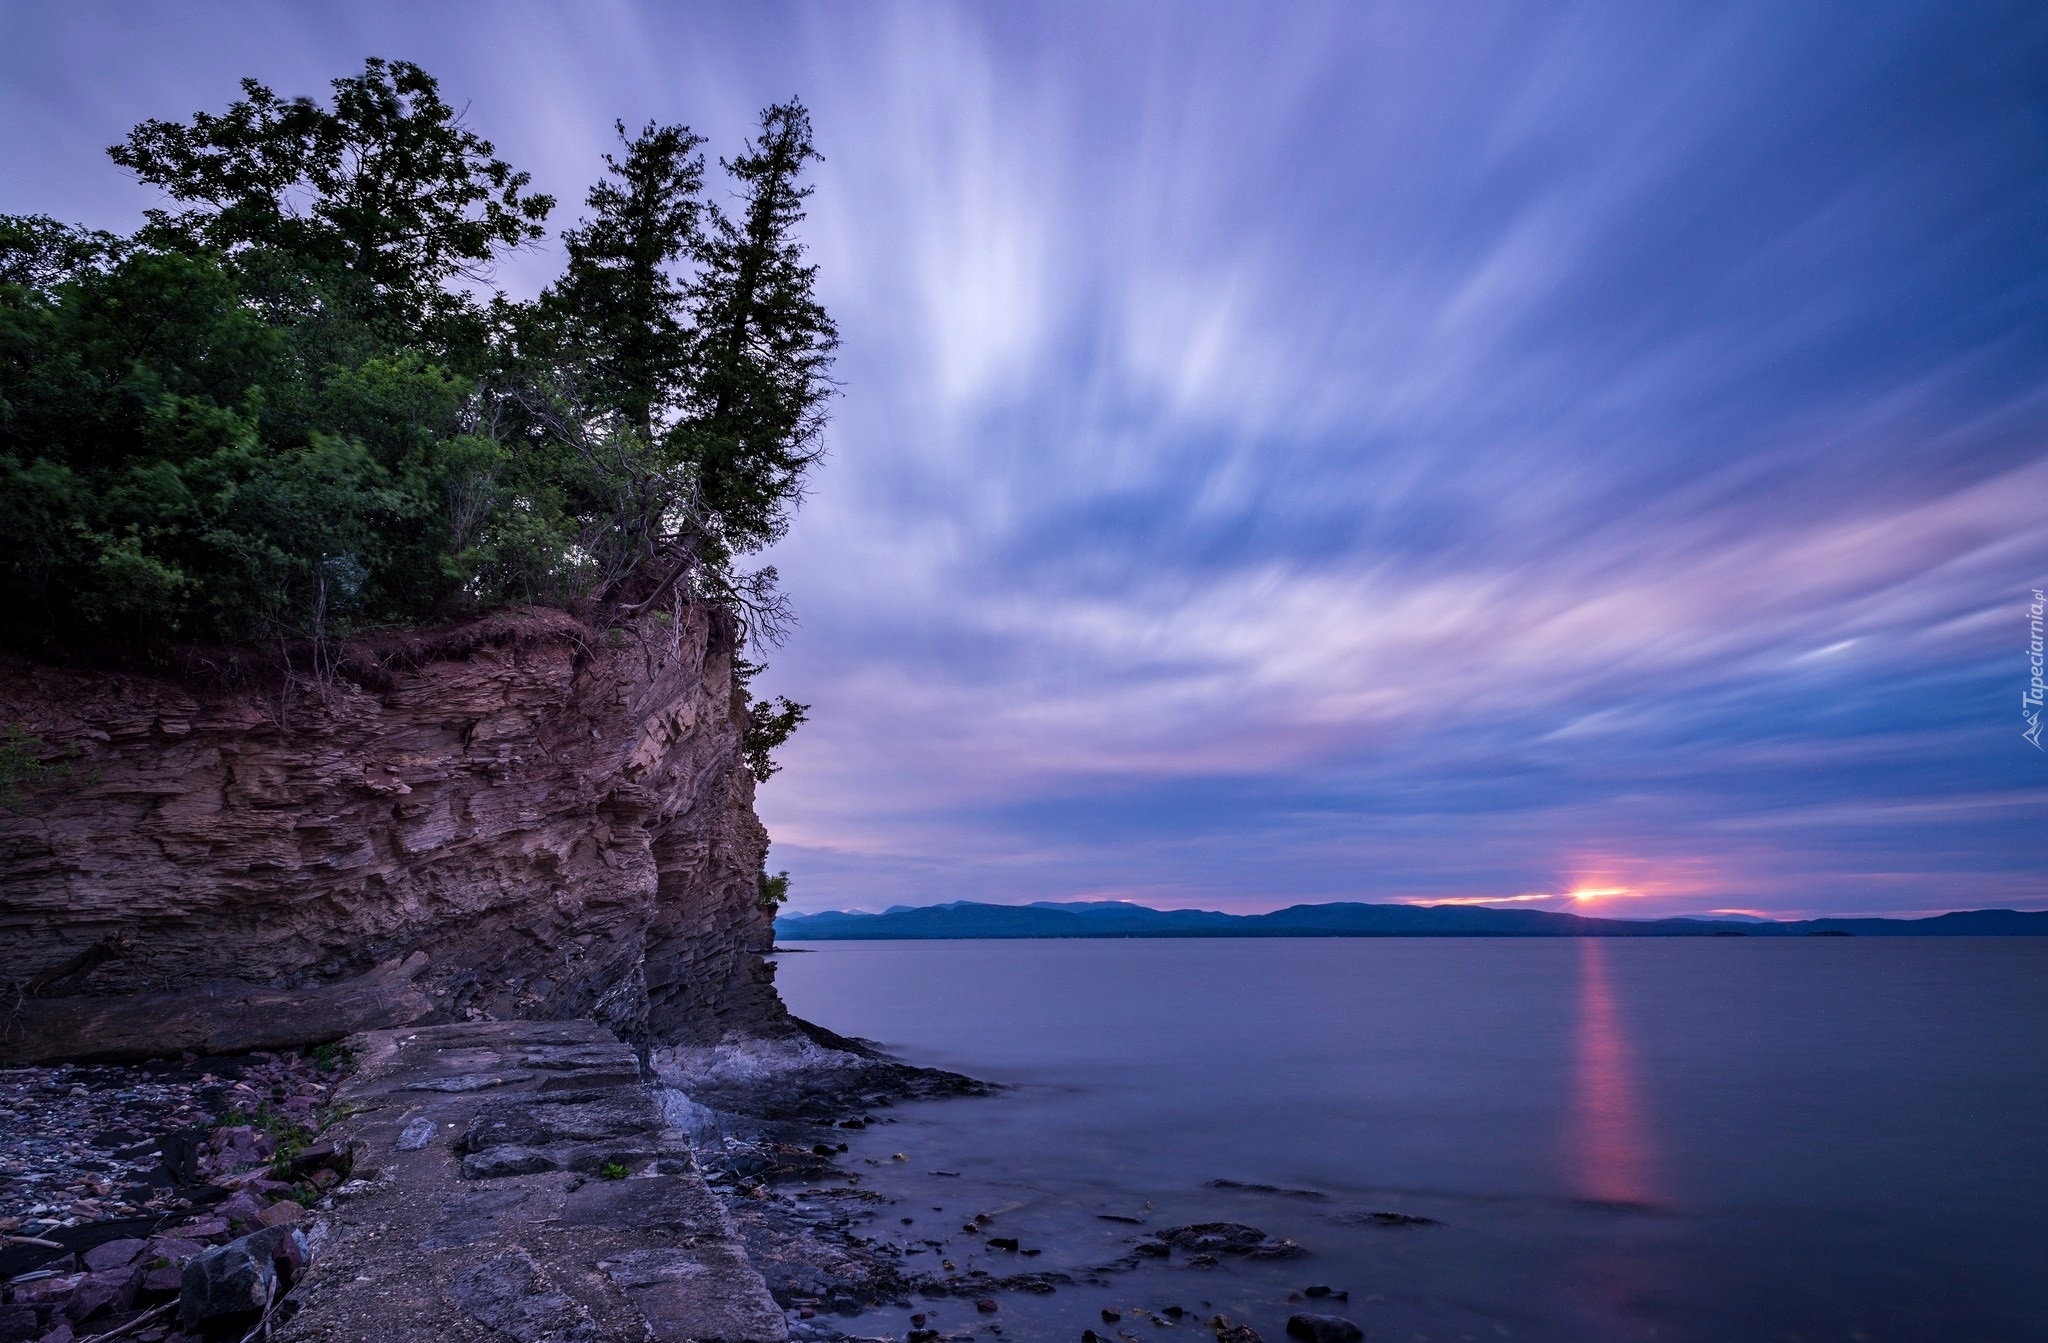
<point x="986" y="1304"/>
<point x="1002" y="1243"/>
<point x="1323" y="1329"/>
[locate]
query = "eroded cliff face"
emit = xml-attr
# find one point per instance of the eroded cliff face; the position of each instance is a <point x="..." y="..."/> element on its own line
<point x="523" y="817"/>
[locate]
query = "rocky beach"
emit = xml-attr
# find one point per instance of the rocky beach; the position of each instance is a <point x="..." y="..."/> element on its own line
<point x="532" y="1181"/>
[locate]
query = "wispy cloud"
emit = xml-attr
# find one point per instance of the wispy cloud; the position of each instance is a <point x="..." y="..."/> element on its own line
<point x="1342" y="451"/>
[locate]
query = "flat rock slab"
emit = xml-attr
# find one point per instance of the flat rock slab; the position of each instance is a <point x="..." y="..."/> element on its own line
<point x="488" y="1203"/>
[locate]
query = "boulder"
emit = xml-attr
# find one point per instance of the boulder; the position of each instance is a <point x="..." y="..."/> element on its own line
<point x="1323" y="1329"/>
<point x="225" y="1282"/>
<point x="241" y="1277"/>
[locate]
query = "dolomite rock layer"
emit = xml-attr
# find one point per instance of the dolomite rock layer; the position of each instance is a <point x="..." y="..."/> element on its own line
<point x="521" y="818"/>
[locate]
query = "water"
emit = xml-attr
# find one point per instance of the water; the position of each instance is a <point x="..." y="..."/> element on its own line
<point x="1704" y="1139"/>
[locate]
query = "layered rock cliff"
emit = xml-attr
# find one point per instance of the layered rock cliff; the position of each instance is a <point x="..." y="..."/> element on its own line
<point x="521" y="817"/>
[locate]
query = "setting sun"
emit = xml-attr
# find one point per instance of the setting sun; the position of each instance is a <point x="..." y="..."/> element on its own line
<point x="1591" y="892"/>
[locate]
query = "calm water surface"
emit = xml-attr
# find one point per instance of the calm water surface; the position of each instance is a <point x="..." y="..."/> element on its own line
<point x="1702" y="1139"/>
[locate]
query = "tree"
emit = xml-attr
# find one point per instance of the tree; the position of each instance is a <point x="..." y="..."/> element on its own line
<point x="385" y="192"/>
<point x="760" y="346"/>
<point x="276" y="414"/>
<point x="620" y="303"/>
<point x="768" y="726"/>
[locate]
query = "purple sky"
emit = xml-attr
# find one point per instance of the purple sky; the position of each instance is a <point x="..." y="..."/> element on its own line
<point x="1364" y="452"/>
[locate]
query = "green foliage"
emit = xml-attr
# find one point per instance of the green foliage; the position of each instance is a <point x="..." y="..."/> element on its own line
<point x="25" y="765"/>
<point x="761" y="344"/>
<point x="774" y="889"/>
<point x="285" y="409"/>
<point x="613" y="1170"/>
<point x="384" y="196"/>
<point x="291" y="1136"/>
<point x="769" y="724"/>
<point x="620" y="309"/>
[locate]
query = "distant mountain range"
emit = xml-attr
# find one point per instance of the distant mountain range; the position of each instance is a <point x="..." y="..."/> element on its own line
<point x="1110" y="918"/>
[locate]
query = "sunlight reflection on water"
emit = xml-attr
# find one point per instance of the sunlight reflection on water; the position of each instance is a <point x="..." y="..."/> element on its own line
<point x="1613" y="1159"/>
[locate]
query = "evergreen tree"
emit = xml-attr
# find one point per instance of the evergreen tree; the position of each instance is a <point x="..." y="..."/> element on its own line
<point x="620" y="303"/>
<point x="760" y="346"/>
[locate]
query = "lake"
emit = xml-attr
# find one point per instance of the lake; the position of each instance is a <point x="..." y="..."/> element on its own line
<point x="1712" y="1139"/>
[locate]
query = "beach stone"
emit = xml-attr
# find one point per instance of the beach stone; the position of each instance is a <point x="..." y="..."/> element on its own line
<point x="113" y="1254"/>
<point x="20" y="1323"/>
<point x="158" y="1283"/>
<point x="415" y="1135"/>
<point x="242" y="1208"/>
<point x="286" y="1213"/>
<point x="113" y="1290"/>
<point x="1323" y="1329"/>
<point x="174" y="1249"/>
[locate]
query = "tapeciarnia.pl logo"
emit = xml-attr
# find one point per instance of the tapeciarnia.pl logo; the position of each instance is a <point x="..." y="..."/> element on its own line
<point x="2030" y="702"/>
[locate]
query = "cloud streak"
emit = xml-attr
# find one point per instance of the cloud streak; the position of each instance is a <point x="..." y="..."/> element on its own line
<point x="1372" y="452"/>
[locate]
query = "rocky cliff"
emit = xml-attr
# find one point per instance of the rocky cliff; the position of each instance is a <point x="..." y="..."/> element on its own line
<point x="521" y="817"/>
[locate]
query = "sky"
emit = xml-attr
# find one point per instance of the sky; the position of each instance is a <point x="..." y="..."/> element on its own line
<point x="1593" y="457"/>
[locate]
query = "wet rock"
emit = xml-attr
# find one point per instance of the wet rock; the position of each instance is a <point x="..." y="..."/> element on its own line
<point x="1323" y="1329"/>
<point x="986" y="1305"/>
<point x="1002" y="1243"/>
<point x="1151" y="1247"/>
<point x="1232" y="1238"/>
<point x="1383" y="1219"/>
<point x="1244" y="1187"/>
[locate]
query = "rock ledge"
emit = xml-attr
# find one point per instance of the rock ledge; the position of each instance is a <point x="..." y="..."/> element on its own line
<point x="516" y="1180"/>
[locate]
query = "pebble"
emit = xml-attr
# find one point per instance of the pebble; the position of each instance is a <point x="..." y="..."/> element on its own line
<point x="138" y="1146"/>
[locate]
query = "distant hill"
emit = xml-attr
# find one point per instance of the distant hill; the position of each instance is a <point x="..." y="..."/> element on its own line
<point x="1111" y="918"/>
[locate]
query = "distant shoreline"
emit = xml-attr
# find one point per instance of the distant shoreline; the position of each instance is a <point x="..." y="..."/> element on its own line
<point x="967" y="920"/>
